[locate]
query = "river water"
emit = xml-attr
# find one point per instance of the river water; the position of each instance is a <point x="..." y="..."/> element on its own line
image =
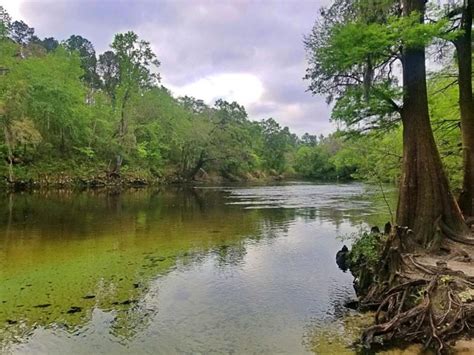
<point x="237" y="270"/>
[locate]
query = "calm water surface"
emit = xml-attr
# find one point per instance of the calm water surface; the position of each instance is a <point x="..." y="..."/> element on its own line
<point x="188" y="270"/>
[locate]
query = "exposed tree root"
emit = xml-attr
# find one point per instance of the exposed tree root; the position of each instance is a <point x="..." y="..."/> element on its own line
<point x="433" y="312"/>
<point x="417" y="301"/>
<point x="457" y="237"/>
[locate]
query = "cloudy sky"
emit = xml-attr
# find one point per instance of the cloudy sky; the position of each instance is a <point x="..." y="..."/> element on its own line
<point x="250" y="51"/>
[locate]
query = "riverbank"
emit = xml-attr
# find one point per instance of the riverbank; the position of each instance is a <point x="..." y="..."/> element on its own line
<point x="86" y="176"/>
<point x="59" y="176"/>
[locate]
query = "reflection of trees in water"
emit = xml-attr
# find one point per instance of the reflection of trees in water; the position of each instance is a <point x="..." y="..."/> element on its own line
<point x="272" y="223"/>
<point x="334" y="215"/>
<point x="275" y="220"/>
<point x="198" y="221"/>
<point x="231" y="254"/>
<point x="130" y="321"/>
<point x="368" y="209"/>
<point x="80" y="212"/>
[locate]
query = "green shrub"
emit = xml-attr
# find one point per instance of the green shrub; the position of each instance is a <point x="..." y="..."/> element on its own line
<point x="366" y="249"/>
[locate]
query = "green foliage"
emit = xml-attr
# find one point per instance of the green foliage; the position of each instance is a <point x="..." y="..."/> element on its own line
<point x="86" y="52"/>
<point x="322" y="160"/>
<point x="275" y="143"/>
<point x="365" y="249"/>
<point x="377" y="157"/>
<point x="445" y="117"/>
<point x="5" y="21"/>
<point x="349" y="44"/>
<point x="47" y="91"/>
<point x="87" y="151"/>
<point x="135" y="61"/>
<point x="353" y="59"/>
<point x="61" y="109"/>
<point x="372" y="111"/>
<point x="64" y="109"/>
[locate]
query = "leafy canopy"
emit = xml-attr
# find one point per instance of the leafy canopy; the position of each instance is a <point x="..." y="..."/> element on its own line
<point x="356" y="62"/>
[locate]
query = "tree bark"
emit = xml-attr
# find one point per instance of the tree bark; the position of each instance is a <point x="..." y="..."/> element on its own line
<point x="466" y="104"/>
<point x="424" y="197"/>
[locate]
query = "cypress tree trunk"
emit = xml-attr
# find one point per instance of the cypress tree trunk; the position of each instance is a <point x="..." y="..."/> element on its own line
<point x="424" y="197"/>
<point x="466" y="104"/>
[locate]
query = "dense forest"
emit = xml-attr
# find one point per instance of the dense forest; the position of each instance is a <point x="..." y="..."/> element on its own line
<point x="69" y="115"/>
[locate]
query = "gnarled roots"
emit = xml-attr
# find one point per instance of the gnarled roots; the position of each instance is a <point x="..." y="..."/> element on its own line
<point x="418" y="301"/>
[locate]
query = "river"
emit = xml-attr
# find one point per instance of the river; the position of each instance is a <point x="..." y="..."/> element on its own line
<point x="237" y="269"/>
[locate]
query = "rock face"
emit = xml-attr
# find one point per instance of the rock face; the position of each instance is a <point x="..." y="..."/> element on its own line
<point x="341" y="258"/>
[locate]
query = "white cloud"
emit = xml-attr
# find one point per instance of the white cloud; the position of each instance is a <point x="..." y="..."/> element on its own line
<point x="13" y="8"/>
<point x="243" y="88"/>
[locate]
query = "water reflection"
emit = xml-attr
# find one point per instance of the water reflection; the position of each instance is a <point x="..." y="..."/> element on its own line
<point x="356" y="203"/>
<point x="173" y="270"/>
